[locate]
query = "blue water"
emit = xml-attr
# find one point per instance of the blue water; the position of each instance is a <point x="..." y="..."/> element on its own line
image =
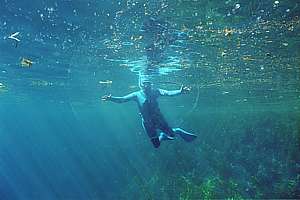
<point x="58" y="140"/>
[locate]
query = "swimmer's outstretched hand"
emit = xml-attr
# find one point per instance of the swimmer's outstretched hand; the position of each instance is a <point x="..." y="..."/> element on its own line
<point x="106" y="97"/>
<point x="185" y="89"/>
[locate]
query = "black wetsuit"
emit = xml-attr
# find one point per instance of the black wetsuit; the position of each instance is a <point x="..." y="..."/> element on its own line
<point x="153" y="119"/>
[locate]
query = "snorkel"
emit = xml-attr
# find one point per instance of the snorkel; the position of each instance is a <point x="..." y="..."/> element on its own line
<point x="145" y="84"/>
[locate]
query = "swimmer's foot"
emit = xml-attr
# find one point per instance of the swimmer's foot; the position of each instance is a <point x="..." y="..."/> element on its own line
<point x="163" y="136"/>
<point x="188" y="137"/>
<point x="155" y="141"/>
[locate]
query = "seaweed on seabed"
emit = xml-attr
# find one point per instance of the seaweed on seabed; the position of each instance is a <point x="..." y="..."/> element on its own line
<point x="207" y="188"/>
<point x="275" y="147"/>
<point x="192" y="190"/>
<point x="288" y="188"/>
<point x="210" y="188"/>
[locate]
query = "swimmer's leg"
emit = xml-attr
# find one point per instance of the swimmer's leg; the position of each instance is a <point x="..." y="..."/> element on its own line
<point x="188" y="137"/>
<point x="163" y="136"/>
<point x="152" y="133"/>
<point x="164" y="126"/>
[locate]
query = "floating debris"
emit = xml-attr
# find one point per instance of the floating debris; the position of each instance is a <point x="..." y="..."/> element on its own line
<point x="248" y="58"/>
<point x="105" y="82"/>
<point x="223" y="53"/>
<point x="228" y="32"/>
<point x="285" y="44"/>
<point x="13" y="37"/>
<point x="268" y="54"/>
<point x="136" y="38"/>
<point x="26" y="62"/>
<point x="276" y="3"/>
<point x="2" y="86"/>
<point x="40" y="83"/>
<point x="124" y="65"/>
<point x="237" y="6"/>
<point x="127" y="43"/>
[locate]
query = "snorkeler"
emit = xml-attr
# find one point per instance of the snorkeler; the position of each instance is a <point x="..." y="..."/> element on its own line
<point x="152" y="118"/>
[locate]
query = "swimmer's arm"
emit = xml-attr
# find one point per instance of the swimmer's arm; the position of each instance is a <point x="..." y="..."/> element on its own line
<point x="129" y="97"/>
<point x="182" y="90"/>
<point x="169" y="92"/>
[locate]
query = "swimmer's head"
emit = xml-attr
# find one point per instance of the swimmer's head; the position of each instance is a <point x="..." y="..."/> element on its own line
<point x="146" y="85"/>
<point x="145" y="82"/>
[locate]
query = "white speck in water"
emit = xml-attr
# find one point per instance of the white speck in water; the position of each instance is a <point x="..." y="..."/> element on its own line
<point x="50" y="10"/>
<point x="258" y="18"/>
<point x="237" y="6"/>
<point x="276" y="2"/>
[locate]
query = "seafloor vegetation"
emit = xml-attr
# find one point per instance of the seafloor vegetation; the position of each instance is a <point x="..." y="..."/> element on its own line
<point x="240" y="156"/>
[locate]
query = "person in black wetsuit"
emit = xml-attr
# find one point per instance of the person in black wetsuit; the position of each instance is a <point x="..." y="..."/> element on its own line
<point x="152" y="118"/>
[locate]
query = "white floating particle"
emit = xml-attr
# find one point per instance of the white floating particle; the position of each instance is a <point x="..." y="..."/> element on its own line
<point x="14" y="36"/>
<point x="2" y="85"/>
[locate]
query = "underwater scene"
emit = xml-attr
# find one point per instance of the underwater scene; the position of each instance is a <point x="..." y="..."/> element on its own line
<point x="149" y="99"/>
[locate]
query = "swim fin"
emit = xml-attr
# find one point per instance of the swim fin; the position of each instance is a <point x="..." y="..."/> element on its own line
<point x="188" y="137"/>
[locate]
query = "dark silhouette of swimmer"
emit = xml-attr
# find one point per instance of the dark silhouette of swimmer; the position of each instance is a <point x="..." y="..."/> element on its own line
<point x="152" y="118"/>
